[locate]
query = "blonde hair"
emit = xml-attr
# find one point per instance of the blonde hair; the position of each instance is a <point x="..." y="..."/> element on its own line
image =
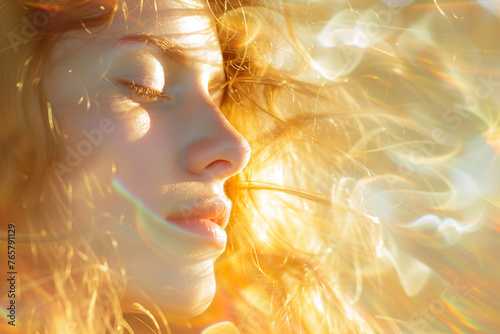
<point x="351" y="189"/>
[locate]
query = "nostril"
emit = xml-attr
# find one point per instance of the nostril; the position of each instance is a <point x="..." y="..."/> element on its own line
<point x="222" y="164"/>
<point x="221" y="158"/>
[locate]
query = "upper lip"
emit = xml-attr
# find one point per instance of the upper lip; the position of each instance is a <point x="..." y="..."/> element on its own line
<point x="215" y="209"/>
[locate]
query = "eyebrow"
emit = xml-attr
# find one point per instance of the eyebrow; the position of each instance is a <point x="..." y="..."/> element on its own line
<point x="169" y="48"/>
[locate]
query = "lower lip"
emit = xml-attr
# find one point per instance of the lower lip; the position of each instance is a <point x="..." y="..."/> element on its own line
<point x="203" y="227"/>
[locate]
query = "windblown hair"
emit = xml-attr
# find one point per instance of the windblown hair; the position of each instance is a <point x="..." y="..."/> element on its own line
<point x="369" y="205"/>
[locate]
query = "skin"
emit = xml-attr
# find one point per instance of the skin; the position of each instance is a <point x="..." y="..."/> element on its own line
<point x="168" y="154"/>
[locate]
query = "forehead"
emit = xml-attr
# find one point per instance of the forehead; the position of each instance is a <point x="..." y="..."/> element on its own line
<point x="189" y="23"/>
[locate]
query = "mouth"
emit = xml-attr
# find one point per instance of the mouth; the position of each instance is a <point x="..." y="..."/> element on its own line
<point x="207" y="219"/>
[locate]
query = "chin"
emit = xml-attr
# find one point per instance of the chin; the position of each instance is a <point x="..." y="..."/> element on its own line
<point x="189" y="304"/>
<point x="185" y="298"/>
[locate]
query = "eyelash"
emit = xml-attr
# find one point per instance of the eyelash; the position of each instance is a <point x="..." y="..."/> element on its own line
<point x="145" y="92"/>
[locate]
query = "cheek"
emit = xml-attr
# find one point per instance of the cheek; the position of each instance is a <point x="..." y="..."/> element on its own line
<point x="86" y="132"/>
<point x="102" y="128"/>
<point x="135" y="120"/>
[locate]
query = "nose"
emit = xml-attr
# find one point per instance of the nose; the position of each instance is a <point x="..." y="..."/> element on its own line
<point x="219" y="151"/>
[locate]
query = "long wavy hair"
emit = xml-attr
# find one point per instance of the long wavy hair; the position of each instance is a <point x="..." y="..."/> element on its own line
<point x="369" y="205"/>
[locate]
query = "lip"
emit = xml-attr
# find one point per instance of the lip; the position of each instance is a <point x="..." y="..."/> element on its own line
<point x="207" y="219"/>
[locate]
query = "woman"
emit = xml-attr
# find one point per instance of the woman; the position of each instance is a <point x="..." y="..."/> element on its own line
<point x="126" y="132"/>
<point x="133" y="108"/>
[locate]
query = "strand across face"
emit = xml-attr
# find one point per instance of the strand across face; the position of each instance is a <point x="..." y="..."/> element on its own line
<point x="138" y="107"/>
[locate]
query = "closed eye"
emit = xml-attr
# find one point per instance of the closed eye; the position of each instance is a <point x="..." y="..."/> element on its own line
<point x="143" y="94"/>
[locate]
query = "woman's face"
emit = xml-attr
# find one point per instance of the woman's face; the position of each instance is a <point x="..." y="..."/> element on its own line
<point x="146" y="148"/>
